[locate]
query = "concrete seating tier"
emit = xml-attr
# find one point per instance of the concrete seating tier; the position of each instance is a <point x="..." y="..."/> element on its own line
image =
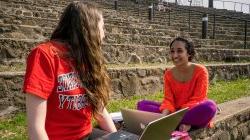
<point x="126" y="81"/>
<point x="45" y="23"/>
<point x="231" y="123"/>
<point x="237" y="25"/>
<point x="41" y="33"/>
<point x="15" y="51"/>
<point x="176" y="15"/>
<point x="230" y="23"/>
<point x="9" y="29"/>
<point x="174" y="10"/>
<point x="182" y="29"/>
<point x="119" y="11"/>
<point x="27" y="10"/>
<point x="39" y="2"/>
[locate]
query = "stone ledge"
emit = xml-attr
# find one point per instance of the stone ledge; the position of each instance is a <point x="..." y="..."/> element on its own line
<point x="232" y="123"/>
<point x="126" y="81"/>
<point x="121" y="53"/>
<point x="229" y="109"/>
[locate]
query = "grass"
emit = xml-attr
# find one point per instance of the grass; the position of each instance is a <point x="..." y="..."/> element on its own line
<point x="13" y="128"/>
<point x="222" y="91"/>
<point x="230" y="90"/>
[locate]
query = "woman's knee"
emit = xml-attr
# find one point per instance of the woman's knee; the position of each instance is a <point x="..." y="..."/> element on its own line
<point x="209" y="106"/>
<point x="146" y="105"/>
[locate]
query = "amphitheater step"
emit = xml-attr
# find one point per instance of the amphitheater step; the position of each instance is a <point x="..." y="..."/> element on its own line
<point x="126" y="80"/>
<point x="13" y="49"/>
<point x="36" y="32"/>
<point x="232" y="122"/>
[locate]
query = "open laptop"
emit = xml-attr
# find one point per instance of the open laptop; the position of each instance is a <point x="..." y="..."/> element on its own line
<point x="139" y="127"/>
<point x="135" y="121"/>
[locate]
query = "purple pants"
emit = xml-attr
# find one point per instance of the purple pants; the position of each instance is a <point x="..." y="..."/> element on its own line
<point x="199" y="116"/>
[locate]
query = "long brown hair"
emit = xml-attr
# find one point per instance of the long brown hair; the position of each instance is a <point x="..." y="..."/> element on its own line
<point x="78" y="26"/>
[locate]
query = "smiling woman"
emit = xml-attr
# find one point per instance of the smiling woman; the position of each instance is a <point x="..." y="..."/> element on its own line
<point x="185" y="85"/>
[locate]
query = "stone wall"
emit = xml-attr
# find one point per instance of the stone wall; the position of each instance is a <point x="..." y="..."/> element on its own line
<point x="16" y="50"/>
<point x="10" y="90"/>
<point x="232" y="123"/>
<point x="125" y="82"/>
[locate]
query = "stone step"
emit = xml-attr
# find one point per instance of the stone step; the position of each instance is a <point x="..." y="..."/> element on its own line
<point x="38" y="2"/>
<point x="180" y="10"/>
<point x="110" y="5"/>
<point x="165" y="41"/>
<point x="144" y="11"/>
<point x="30" y="31"/>
<point x="140" y="54"/>
<point x="15" y="52"/>
<point x="175" y="16"/>
<point x="24" y="10"/>
<point x="232" y="122"/>
<point x="52" y="23"/>
<point x="37" y="11"/>
<point x="196" y="23"/>
<point x="35" y="32"/>
<point x="229" y="44"/>
<point x="138" y="39"/>
<point x="221" y="36"/>
<point x="127" y="38"/>
<point x="218" y="32"/>
<point x="48" y="17"/>
<point x="16" y="48"/>
<point x="126" y="81"/>
<point x="44" y="15"/>
<point x="24" y="31"/>
<point x="180" y="19"/>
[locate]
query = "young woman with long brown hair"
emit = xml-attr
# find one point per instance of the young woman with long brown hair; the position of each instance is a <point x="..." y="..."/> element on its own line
<point x="66" y="82"/>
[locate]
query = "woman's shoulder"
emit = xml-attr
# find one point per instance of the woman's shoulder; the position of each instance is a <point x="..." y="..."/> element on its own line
<point x="199" y="68"/>
<point x="168" y="69"/>
<point x="42" y="46"/>
<point x="50" y="48"/>
<point x="168" y="72"/>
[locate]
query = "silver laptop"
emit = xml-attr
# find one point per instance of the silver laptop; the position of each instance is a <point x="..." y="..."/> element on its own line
<point x="136" y="121"/>
<point x="159" y="128"/>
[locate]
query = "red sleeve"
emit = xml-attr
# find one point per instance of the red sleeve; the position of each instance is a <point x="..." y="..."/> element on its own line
<point x="39" y="77"/>
<point x="200" y="90"/>
<point x="168" y="101"/>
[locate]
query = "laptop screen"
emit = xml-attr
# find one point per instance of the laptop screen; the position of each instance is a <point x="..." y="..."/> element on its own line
<point x="151" y="125"/>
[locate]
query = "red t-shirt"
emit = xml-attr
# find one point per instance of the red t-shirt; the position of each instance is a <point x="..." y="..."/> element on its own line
<point x="179" y="95"/>
<point x="50" y="75"/>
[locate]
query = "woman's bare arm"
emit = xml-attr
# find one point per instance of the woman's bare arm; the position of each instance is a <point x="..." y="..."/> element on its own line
<point x="105" y="121"/>
<point x="36" y="113"/>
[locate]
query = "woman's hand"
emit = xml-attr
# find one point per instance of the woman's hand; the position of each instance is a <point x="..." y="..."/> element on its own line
<point x="165" y="112"/>
<point x="105" y="121"/>
<point x="184" y="127"/>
